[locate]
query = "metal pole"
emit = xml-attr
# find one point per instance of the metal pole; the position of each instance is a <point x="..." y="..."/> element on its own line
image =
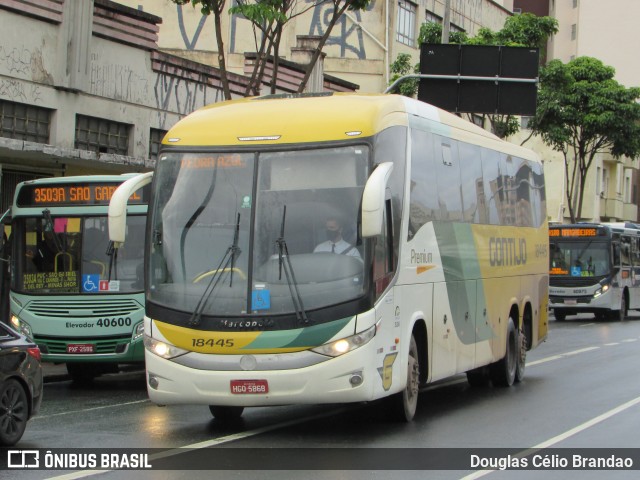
<point x="446" y="22"/>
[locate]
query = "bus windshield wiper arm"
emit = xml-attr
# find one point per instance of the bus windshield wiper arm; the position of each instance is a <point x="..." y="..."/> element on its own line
<point x="228" y="260"/>
<point x="285" y="261"/>
<point x="46" y="213"/>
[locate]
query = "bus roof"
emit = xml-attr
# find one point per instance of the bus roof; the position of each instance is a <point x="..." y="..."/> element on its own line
<point x="286" y="119"/>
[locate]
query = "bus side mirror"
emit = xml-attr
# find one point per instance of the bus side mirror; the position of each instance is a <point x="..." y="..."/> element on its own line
<point x="118" y="207"/>
<point x="373" y="200"/>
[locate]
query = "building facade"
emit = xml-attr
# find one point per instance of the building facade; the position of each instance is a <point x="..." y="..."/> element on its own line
<point x="361" y="46"/>
<point x="589" y="28"/>
<point x="84" y="89"/>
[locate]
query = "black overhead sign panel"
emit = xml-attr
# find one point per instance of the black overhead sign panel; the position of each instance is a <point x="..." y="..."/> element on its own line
<point x="479" y="78"/>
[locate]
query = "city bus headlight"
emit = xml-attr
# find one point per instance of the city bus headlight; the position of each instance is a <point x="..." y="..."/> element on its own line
<point x="347" y="344"/>
<point x="601" y="290"/>
<point x="138" y="331"/>
<point x="162" y="349"/>
<point x="21" y="326"/>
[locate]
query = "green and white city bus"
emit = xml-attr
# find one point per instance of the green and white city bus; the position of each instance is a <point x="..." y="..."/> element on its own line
<point x="440" y="263"/>
<point x="81" y="302"/>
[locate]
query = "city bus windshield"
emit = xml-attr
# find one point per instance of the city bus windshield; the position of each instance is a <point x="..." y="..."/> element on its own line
<point x="64" y="254"/>
<point x="587" y="258"/>
<point x="257" y="233"/>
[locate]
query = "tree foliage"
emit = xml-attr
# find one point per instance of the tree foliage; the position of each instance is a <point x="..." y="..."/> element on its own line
<point x="582" y="111"/>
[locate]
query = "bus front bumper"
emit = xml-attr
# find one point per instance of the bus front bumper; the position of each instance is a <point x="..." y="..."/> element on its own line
<point x="352" y="377"/>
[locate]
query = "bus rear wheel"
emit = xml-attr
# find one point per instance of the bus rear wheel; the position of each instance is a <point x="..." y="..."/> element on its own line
<point x="226" y="413"/>
<point x="503" y="372"/>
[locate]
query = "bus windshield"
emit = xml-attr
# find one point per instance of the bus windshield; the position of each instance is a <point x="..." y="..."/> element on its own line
<point x="579" y="259"/>
<point x="249" y="233"/>
<point x="65" y="254"/>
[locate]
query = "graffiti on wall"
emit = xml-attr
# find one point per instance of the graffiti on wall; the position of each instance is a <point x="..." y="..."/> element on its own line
<point x="189" y="43"/>
<point x="18" y="91"/>
<point x="176" y="95"/>
<point x="17" y="61"/>
<point x="345" y="34"/>
<point x="119" y="82"/>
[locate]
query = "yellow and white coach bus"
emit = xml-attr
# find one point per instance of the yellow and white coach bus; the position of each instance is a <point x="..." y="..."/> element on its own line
<point x="337" y="248"/>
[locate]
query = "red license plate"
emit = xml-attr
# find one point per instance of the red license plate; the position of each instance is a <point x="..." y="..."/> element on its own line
<point x="81" y="348"/>
<point x="244" y="387"/>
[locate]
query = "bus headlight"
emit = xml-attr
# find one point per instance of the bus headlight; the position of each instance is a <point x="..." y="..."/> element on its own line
<point x="347" y="344"/>
<point x="601" y="290"/>
<point x="138" y="331"/>
<point x="162" y="349"/>
<point x="21" y="326"/>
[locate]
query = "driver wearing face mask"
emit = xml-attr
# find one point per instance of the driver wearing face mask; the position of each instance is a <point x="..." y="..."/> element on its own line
<point x="335" y="243"/>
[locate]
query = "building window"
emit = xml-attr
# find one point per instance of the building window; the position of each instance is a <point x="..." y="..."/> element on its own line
<point x="524" y="122"/>
<point x="24" y="122"/>
<point x="477" y="119"/>
<point x="405" y="31"/>
<point x="574" y="31"/>
<point x="102" y="136"/>
<point x="430" y="17"/>
<point x="155" y="140"/>
<point x="575" y="3"/>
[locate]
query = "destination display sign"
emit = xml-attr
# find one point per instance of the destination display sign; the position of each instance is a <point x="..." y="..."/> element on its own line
<point x="573" y="232"/>
<point x="75" y="194"/>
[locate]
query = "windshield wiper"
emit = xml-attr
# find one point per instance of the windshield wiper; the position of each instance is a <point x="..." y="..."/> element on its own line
<point x="285" y="261"/>
<point x="48" y="227"/>
<point x="226" y="264"/>
<point x="112" y="253"/>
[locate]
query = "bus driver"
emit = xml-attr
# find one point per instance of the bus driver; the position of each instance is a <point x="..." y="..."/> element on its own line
<point x="335" y="243"/>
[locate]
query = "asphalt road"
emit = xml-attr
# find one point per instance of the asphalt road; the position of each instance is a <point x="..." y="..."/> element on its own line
<point x="581" y="390"/>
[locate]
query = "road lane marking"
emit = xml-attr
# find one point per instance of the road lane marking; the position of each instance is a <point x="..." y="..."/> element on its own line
<point x="563" y="436"/>
<point x="611" y="344"/>
<point x="582" y="350"/>
<point x="92" y="409"/>
<point x="629" y="340"/>
<point x="209" y="443"/>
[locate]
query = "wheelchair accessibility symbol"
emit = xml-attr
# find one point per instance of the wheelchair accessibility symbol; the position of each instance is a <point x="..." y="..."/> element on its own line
<point x="90" y="283"/>
<point x="261" y="299"/>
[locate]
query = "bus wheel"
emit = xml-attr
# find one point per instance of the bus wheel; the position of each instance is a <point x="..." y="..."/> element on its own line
<point x="559" y="314"/>
<point x="621" y="314"/>
<point x="521" y="356"/>
<point x="405" y="403"/>
<point x="503" y="372"/>
<point x="225" y="413"/>
<point x="82" y="373"/>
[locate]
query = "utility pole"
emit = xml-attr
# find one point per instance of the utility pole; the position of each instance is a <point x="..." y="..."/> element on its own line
<point x="446" y="21"/>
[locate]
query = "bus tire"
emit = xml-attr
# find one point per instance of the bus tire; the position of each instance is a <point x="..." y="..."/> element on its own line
<point x="559" y="315"/>
<point x="82" y="373"/>
<point x="620" y="315"/>
<point x="503" y="372"/>
<point x="225" y="413"/>
<point x="404" y="403"/>
<point x="521" y="356"/>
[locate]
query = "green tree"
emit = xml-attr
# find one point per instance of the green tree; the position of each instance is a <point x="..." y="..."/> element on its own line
<point x="583" y="111"/>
